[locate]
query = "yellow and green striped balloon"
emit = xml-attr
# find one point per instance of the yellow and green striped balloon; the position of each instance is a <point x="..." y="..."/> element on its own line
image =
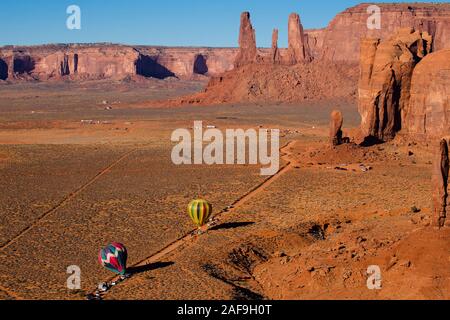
<point x="200" y="211"/>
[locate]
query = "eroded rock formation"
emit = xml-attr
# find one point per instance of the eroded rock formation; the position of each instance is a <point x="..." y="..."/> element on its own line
<point x="384" y="87"/>
<point x="298" y="50"/>
<point x="336" y="123"/>
<point x="247" y="42"/>
<point x="429" y="106"/>
<point x="440" y="184"/>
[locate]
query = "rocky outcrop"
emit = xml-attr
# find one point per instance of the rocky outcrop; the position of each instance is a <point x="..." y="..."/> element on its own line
<point x="336" y="123"/>
<point x="384" y="86"/>
<point x="440" y="184"/>
<point x="298" y="50"/>
<point x="340" y="41"/>
<point x="429" y="106"/>
<point x="247" y="42"/>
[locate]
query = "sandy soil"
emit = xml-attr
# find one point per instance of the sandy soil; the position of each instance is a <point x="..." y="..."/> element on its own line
<point x="67" y="188"/>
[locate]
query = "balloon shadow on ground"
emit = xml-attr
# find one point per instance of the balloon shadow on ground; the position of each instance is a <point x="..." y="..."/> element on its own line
<point x="149" y="267"/>
<point x="231" y="225"/>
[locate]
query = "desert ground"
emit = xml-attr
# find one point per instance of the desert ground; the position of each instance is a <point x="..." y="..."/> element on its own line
<point x="85" y="164"/>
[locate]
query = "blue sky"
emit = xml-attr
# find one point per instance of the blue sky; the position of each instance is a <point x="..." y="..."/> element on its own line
<point x="158" y="22"/>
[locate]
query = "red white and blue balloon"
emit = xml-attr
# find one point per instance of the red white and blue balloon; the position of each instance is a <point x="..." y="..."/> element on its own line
<point x="114" y="258"/>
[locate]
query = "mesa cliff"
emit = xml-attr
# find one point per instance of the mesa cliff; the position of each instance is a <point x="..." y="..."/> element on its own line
<point x="109" y="61"/>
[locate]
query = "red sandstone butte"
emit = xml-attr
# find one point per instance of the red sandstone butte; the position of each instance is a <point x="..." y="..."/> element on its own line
<point x="385" y="79"/>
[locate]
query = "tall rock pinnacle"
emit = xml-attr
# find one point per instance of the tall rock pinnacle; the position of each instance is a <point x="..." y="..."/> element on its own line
<point x="247" y="42"/>
<point x="298" y="49"/>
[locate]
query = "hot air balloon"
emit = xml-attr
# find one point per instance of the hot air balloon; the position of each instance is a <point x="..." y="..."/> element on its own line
<point x="114" y="258"/>
<point x="200" y="211"/>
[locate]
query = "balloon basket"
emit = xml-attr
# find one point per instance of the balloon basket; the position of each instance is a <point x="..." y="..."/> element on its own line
<point x="104" y="287"/>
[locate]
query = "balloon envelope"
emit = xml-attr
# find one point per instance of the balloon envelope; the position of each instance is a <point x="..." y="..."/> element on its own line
<point x="200" y="211"/>
<point x="114" y="258"/>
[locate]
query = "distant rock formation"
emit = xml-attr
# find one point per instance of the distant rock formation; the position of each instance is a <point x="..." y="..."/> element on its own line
<point x="429" y="106"/>
<point x="440" y="184"/>
<point x="247" y="42"/>
<point x="298" y="50"/>
<point x="98" y="61"/>
<point x="336" y="123"/>
<point x="384" y="86"/>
